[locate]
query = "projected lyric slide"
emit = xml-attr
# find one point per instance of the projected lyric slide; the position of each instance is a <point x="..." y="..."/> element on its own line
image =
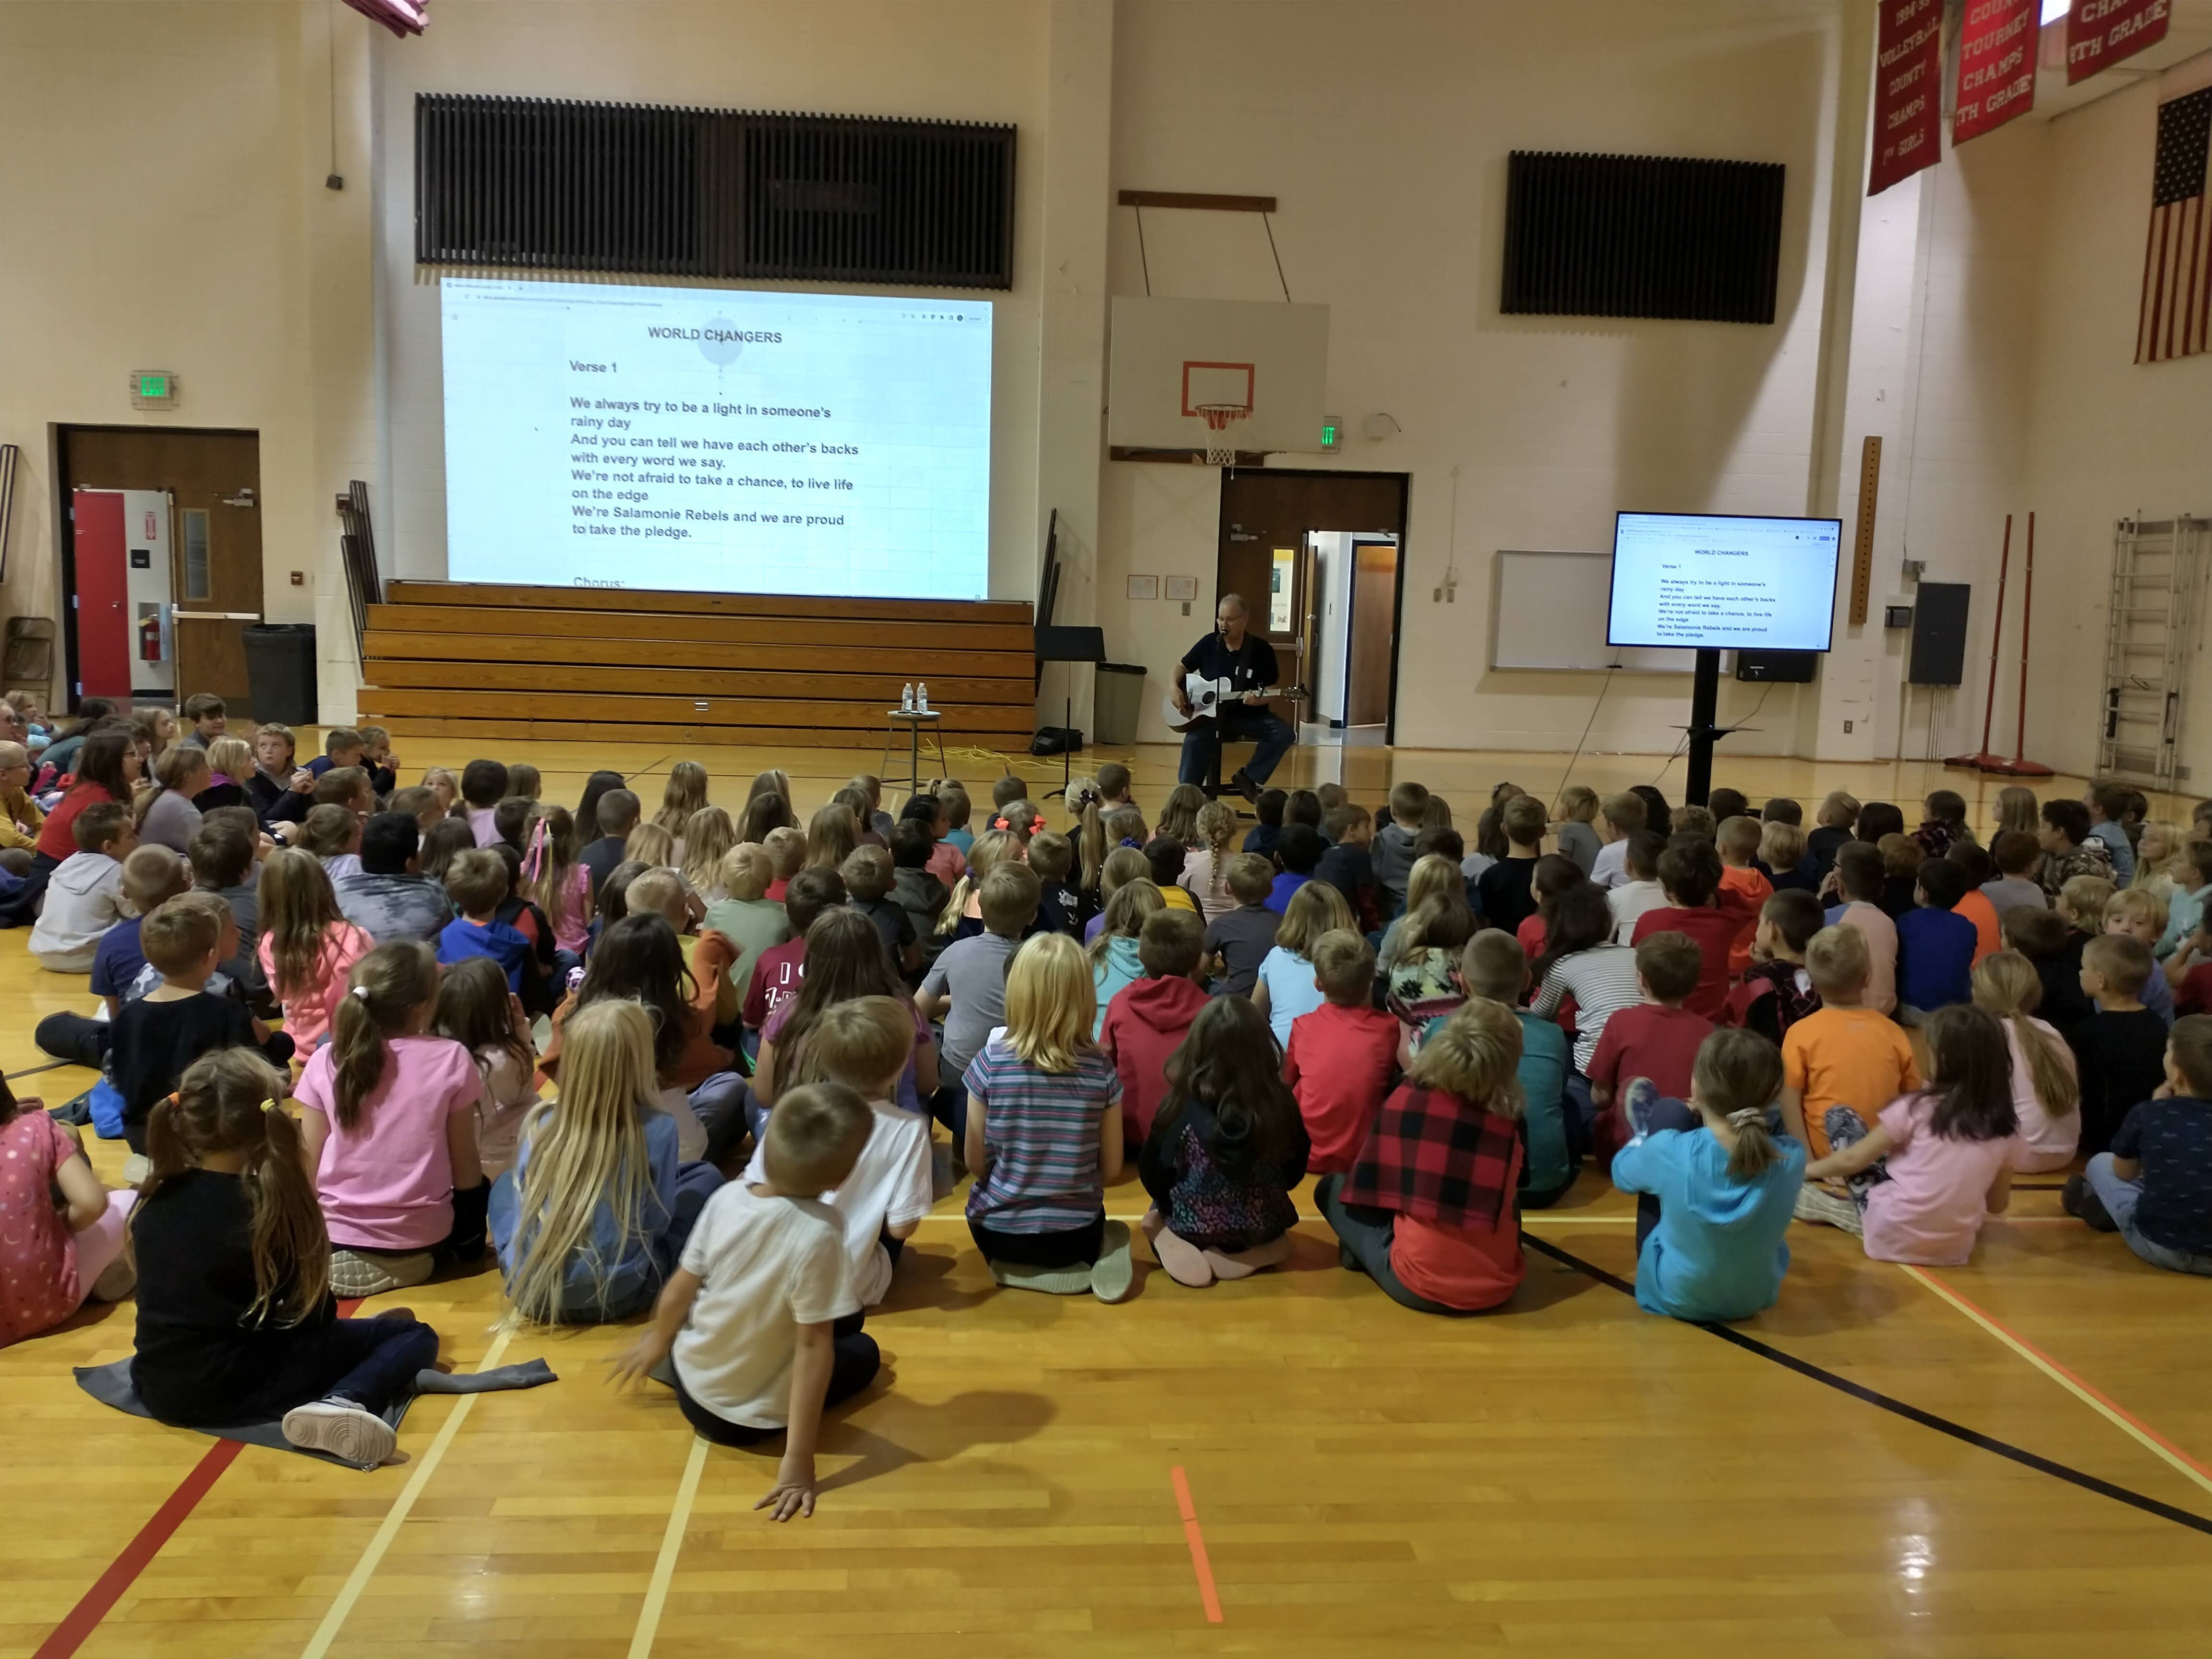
<point x="718" y="440"/>
<point x="1720" y="582"/>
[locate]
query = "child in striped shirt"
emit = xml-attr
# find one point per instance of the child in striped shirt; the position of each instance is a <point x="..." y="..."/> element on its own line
<point x="1043" y="1134"/>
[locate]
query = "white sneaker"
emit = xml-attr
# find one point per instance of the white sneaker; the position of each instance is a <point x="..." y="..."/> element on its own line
<point x="352" y="1434"/>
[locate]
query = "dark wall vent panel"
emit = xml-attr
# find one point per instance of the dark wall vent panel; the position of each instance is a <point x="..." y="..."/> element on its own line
<point x="1641" y="236"/>
<point x="552" y="184"/>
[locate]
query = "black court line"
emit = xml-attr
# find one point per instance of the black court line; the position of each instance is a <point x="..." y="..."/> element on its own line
<point x="29" y="1071"/>
<point x="2180" y="1517"/>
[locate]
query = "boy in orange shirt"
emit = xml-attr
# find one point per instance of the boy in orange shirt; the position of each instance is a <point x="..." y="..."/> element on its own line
<point x="1738" y="840"/>
<point x="1844" y="1054"/>
<point x="1977" y="907"/>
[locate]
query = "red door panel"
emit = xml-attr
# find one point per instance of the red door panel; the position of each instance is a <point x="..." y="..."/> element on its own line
<point x="103" y="611"/>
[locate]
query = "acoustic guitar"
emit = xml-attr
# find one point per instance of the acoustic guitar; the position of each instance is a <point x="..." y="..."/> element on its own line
<point x="1208" y="695"/>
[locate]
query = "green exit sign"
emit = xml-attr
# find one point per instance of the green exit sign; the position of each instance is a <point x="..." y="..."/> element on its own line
<point x="1332" y="433"/>
<point x="153" y="388"/>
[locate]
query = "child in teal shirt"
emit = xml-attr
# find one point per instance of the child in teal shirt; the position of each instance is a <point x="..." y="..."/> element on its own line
<point x="1726" y="1187"/>
<point x="1494" y="966"/>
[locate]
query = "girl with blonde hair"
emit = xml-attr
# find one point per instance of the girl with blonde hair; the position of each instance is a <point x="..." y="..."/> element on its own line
<point x="1044" y="1135"/>
<point x="1206" y="866"/>
<point x="1112" y="950"/>
<point x="1427" y="1211"/>
<point x="2161" y="861"/>
<point x="230" y="764"/>
<point x="686" y="793"/>
<point x="708" y="835"/>
<point x="962" y="915"/>
<point x="166" y="814"/>
<point x="2018" y="809"/>
<point x="595" y="1212"/>
<point x="1285" y="988"/>
<point x="2046" y="1087"/>
<point x="651" y="845"/>
<point x="235" y="1278"/>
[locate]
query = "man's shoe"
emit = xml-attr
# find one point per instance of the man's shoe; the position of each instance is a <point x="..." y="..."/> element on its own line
<point x="1242" y="783"/>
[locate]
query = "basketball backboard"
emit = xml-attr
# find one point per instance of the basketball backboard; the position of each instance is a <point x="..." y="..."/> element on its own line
<point x="1255" y="373"/>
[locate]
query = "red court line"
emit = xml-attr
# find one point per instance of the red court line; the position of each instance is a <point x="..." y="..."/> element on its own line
<point x="2071" y="1376"/>
<point x="96" y="1603"/>
<point x="1192" y="1537"/>
<point x="84" y="1617"/>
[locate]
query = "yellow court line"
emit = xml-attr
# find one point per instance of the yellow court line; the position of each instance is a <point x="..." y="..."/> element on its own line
<point x="2113" y="1412"/>
<point x="672" y="1545"/>
<point x="357" y="1581"/>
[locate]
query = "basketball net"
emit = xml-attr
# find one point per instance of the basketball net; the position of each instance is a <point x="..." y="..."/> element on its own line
<point x="1221" y="448"/>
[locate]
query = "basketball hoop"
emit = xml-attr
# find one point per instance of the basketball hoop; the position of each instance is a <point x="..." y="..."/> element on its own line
<point x="1218" y="418"/>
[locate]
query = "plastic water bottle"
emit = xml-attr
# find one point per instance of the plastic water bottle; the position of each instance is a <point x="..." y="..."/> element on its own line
<point x="906" y="698"/>
<point x="922" y="698"/>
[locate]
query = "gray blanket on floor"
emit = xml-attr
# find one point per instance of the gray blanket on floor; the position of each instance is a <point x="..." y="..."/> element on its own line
<point x="111" y="1385"/>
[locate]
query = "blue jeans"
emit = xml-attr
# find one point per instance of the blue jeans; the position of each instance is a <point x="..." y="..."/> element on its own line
<point x="2119" y="1198"/>
<point x="1202" y="745"/>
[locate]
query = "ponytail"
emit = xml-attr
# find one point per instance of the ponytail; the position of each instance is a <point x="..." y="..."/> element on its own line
<point x="171" y="768"/>
<point x="225" y="1101"/>
<point x="1737" y="1077"/>
<point x="1090" y="832"/>
<point x="2007" y="984"/>
<point x="388" y="985"/>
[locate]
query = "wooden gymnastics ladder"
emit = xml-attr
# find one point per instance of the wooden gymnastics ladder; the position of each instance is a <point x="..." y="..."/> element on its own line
<point x="2150" y="638"/>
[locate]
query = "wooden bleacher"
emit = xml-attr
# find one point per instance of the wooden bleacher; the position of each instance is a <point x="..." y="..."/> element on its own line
<point x="463" y="660"/>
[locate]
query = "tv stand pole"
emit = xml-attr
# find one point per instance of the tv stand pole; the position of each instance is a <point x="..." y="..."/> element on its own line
<point x="1705" y="703"/>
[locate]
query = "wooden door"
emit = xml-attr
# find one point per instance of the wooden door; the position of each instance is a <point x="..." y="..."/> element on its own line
<point x="213" y="479"/>
<point x="1374" y="604"/>
<point x="1270" y="509"/>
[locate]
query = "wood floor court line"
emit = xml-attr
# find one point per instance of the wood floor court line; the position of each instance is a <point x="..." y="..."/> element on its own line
<point x="672" y="1545"/>
<point x="1195" y="1538"/>
<point x="1911" y="1412"/>
<point x="2102" y="1404"/>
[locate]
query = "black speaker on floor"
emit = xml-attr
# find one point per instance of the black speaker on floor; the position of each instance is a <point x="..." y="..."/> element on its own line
<point x="1776" y="667"/>
<point x="1939" y="633"/>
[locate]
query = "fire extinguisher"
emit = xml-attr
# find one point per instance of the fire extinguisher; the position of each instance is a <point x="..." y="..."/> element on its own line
<point x="149" y="638"/>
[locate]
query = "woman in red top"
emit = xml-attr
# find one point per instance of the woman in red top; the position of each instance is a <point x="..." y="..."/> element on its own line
<point x="1427" y="1212"/>
<point x="107" y="768"/>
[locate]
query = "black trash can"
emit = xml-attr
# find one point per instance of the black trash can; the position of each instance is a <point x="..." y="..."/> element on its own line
<point x="1117" y="701"/>
<point x="280" y="671"/>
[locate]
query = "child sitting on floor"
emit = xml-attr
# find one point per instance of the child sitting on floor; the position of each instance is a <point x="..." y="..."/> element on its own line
<point x="1657" y="1039"/>
<point x="1859" y="878"/>
<point x="1844" y="1055"/>
<point x="1494" y="966"/>
<point x="2046" y="1091"/>
<point x="1620" y="817"/>
<point x="1639" y="890"/>
<point x="63" y="1251"/>
<point x="1285" y="988"/>
<point x="1697" y="904"/>
<point x="1427" y="1210"/>
<point x="1115" y="964"/>
<point x="966" y="987"/>
<point x="1343" y="1056"/>
<point x="476" y="1010"/>
<point x="2152" y="1187"/>
<point x="479" y="884"/>
<point x="2121" y="1048"/>
<point x="1205" y="860"/>
<point x="1148" y="1022"/>
<point x="754" y="1321"/>
<point x="1225" y="1152"/>
<point x="391" y="1130"/>
<point x="84" y="895"/>
<point x="1238" y="941"/>
<point x="1924" y="1173"/>
<point x="2140" y="914"/>
<point x="1935" y="944"/>
<point x="307" y="947"/>
<point x="1043" y="1134"/>
<point x="1722" y="1178"/>
<point x="236" y="1319"/>
<point x="2055" y="952"/>
<point x="596" y="1210"/>
<point x="1776" y="992"/>
<point x="1737" y="841"/>
<point x="867" y="1044"/>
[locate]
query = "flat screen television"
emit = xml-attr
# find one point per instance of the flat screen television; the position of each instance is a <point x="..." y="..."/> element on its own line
<point x="1716" y="581"/>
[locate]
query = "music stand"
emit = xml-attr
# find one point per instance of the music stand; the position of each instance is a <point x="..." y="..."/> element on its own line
<point x="1067" y="645"/>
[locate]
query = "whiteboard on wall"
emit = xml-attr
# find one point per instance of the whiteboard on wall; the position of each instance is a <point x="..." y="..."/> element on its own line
<point x="1548" y="610"/>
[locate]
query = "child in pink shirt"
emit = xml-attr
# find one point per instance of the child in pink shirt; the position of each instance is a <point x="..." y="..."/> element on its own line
<point x="306" y="947"/>
<point x="1937" y="1160"/>
<point x="54" y="1258"/>
<point x="391" y="1130"/>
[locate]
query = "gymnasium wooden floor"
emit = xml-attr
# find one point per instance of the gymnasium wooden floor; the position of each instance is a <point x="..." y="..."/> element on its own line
<point x="2011" y="1458"/>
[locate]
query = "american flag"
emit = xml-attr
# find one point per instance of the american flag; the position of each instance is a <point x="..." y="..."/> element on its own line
<point x="2176" y="320"/>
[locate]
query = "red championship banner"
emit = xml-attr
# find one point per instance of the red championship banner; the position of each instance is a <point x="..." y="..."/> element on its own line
<point x="2101" y="33"/>
<point x="1997" y="66"/>
<point x="1908" y="94"/>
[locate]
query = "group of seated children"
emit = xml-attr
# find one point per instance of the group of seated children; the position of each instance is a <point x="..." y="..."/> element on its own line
<point x="1716" y="1005"/>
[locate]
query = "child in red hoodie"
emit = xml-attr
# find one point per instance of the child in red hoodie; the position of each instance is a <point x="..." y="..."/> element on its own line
<point x="1343" y="1056"/>
<point x="1148" y="1021"/>
<point x="1690" y="876"/>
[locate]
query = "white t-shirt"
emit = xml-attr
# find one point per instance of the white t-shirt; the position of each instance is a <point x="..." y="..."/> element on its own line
<point x="1629" y="901"/>
<point x="1610" y="867"/>
<point x="889" y="1185"/>
<point x="768" y="1266"/>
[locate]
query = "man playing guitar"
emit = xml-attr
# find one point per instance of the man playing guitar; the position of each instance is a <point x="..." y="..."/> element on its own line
<point x="1234" y="653"/>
